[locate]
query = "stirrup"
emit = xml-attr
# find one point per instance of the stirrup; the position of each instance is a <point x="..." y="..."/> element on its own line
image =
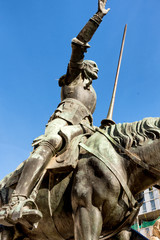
<point x="3" y="216"/>
<point x="25" y="212"/>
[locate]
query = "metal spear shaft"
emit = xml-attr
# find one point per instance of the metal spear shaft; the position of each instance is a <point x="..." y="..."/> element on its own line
<point x="110" y="111"/>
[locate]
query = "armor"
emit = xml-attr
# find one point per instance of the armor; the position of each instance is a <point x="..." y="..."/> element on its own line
<point x="78" y="103"/>
<point x="86" y="96"/>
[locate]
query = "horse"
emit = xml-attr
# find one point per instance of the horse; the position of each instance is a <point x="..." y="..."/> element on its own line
<point x="100" y="198"/>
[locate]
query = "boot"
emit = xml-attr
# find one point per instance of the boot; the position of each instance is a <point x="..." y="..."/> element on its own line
<point x="20" y="210"/>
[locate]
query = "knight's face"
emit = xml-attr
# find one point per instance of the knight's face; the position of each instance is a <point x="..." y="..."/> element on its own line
<point x="91" y="68"/>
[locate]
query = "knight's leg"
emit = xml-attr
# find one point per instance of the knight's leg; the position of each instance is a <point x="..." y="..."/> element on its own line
<point x="32" y="170"/>
<point x="36" y="163"/>
<point x="20" y="208"/>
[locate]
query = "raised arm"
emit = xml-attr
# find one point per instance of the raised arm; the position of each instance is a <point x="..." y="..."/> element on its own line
<point x="89" y="29"/>
<point x="80" y="43"/>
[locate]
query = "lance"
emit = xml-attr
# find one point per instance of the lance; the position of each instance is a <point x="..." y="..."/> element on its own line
<point x="108" y="121"/>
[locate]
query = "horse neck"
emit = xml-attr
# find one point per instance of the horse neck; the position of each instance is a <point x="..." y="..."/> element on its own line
<point x="140" y="179"/>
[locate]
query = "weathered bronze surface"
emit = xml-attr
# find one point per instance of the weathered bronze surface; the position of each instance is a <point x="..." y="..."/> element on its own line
<point x="81" y="182"/>
<point x="101" y="196"/>
<point x="76" y="108"/>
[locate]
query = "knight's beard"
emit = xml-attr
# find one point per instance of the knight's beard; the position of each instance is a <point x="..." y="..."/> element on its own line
<point x="90" y="74"/>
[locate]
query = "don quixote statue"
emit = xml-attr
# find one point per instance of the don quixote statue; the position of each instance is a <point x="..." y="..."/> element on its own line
<point x="81" y="182"/>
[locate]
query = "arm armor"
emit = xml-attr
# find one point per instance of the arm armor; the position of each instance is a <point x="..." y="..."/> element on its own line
<point x="79" y="47"/>
<point x="80" y="43"/>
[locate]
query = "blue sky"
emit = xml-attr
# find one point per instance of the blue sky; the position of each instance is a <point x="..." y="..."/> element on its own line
<point x="35" y="50"/>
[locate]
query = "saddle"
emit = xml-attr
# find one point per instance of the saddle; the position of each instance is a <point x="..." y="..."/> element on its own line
<point x="65" y="161"/>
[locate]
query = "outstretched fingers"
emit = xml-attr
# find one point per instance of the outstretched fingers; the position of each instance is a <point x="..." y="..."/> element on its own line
<point x="101" y="6"/>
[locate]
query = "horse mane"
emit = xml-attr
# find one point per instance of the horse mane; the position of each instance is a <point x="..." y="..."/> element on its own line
<point x="136" y="133"/>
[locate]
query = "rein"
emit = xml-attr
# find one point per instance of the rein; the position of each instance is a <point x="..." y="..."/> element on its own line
<point x="132" y="156"/>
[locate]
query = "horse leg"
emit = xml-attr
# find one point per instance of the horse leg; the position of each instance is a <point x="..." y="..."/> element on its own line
<point x="87" y="223"/>
<point x="87" y="217"/>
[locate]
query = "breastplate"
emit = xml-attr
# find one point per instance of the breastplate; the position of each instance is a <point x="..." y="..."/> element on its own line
<point x="87" y="96"/>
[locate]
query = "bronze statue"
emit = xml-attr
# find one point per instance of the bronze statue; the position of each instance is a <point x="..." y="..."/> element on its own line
<point x="76" y="108"/>
<point x="100" y="198"/>
<point x="94" y="193"/>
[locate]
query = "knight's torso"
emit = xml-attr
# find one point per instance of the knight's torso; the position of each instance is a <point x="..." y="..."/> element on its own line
<point x="78" y="91"/>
